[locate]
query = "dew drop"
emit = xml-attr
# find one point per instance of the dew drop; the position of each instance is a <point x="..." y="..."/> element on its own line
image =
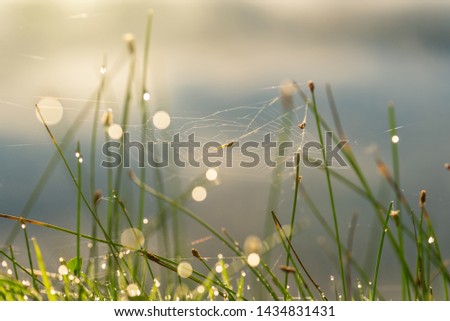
<point x="145" y="221"/>
<point x="80" y="160"/>
<point x="161" y="119"/>
<point x="430" y="240"/>
<point x="77" y="154"/>
<point x="157" y="283"/>
<point x="199" y="194"/>
<point x="211" y="174"/>
<point x="102" y="70"/>
<point x="146" y="96"/>
<point x="201" y="289"/>
<point x="4" y="264"/>
<point x="51" y="110"/>
<point x="219" y="268"/>
<point x="253" y="259"/>
<point x="9" y="272"/>
<point x="133" y="290"/>
<point x="132" y="238"/>
<point x="23" y="226"/>
<point x="115" y="131"/>
<point x="184" y="270"/>
<point x="63" y="270"/>
<point x="395" y="139"/>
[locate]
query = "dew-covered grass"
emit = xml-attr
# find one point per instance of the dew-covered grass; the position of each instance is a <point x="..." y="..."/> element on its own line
<point x="119" y="265"/>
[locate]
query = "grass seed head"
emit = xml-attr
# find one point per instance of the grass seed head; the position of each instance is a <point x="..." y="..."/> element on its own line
<point x="422" y="198"/>
<point x="311" y="86"/>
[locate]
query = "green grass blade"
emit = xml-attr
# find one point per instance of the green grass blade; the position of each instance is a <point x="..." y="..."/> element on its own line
<point x="380" y="250"/>
<point x="45" y="279"/>
<point x="330" y="191"/>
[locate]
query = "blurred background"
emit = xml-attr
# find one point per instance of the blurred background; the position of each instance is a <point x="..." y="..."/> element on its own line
<point x="225" y="56"/>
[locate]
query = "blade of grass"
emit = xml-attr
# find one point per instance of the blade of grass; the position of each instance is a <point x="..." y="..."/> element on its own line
<point x="79" y="162"/>
<point x="330" y="190"/>
<point x="380" y="250"/>
<point x="30" y="259"/>
<point x="144" y="98"/>
<point x="13" y="261"/>
<point x="435" y="242"/>
<point x="47" y="284"/>
<point x="280" y="228"/>
<point x="396" y="169"/>
<point x="348" y="252"/>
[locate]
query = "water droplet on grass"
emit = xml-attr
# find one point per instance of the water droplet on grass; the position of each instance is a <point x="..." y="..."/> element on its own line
<point x="253" y="259"/>
<point x="199" y="194"/>
<point x="146" y="96"/>
<point x="133" y="290"/>
<point x="51" y="110"/>
<point x="395" y="139"/>
<point x="63" y="270"/>
<point x="115" y="131"/>
<point x="184" y="270"/>
<point x="161" y="119"/>
<point x="211" y="174"/>
<point x="132" y="238"/>
<point x="219" y="268"/>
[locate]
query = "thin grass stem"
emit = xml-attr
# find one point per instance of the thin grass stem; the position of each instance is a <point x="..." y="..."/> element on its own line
<point x="380" y="250"/>
<point x="330" y="191"/>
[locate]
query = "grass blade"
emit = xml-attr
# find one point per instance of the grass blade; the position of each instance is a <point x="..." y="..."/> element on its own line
<point x="45" y="279"/>
<point x="380" y="250"/>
